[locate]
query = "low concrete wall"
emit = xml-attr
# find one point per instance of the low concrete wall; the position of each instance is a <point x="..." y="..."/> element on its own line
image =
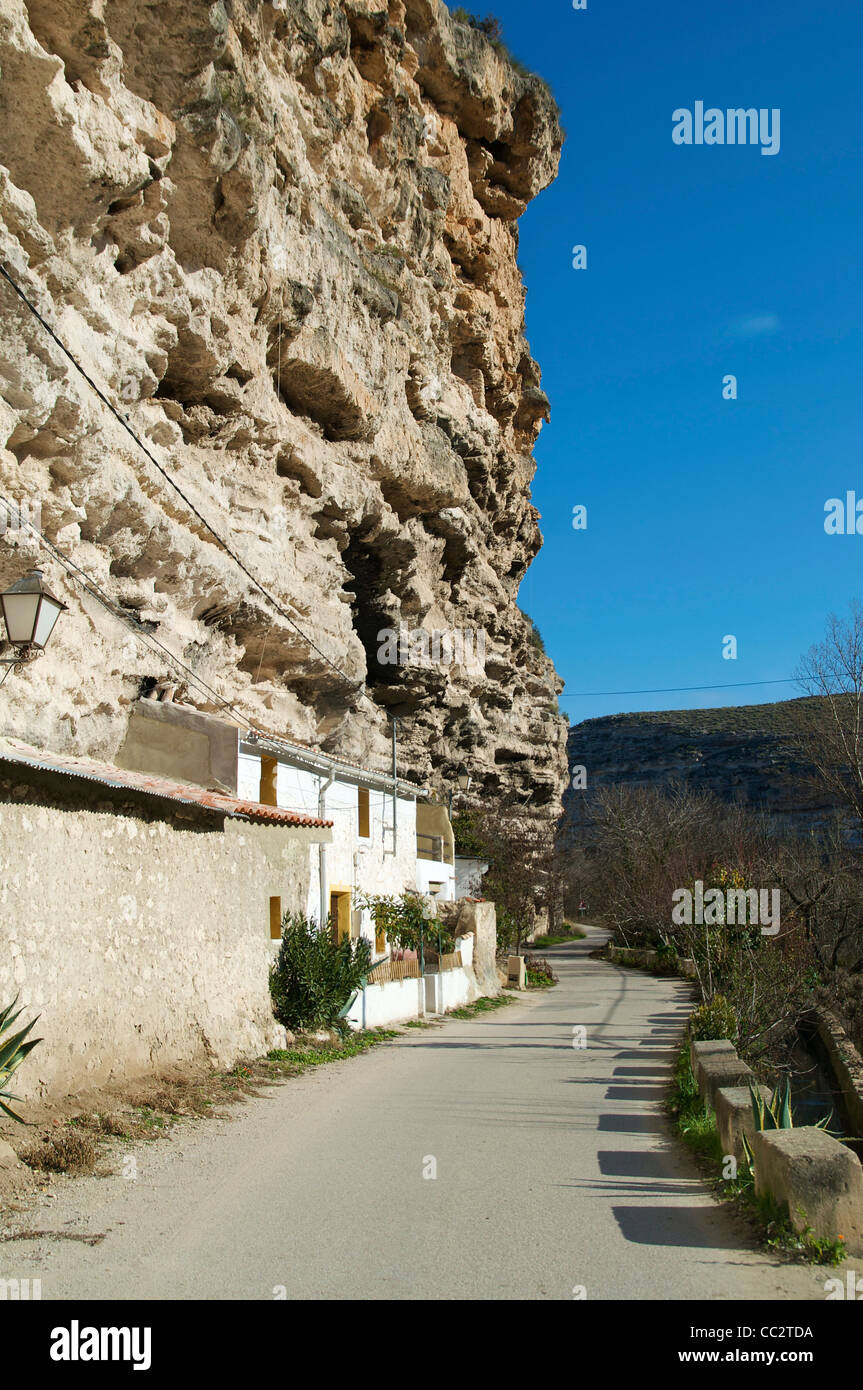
<point x="719" y="1069"/>
<point x="450" y="989"/>
<point x="399" y="1001"/>
<point x="734" y="1117"/>
<point x="816" y="1179"/>
<point x="704" y="1047"/>
<point x="377" y="1006"/>
<point x="845" y="1061"/>
<point x="642" y="957"/>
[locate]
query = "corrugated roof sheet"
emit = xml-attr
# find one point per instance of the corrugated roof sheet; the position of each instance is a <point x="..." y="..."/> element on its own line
<point x="12" y="751"/>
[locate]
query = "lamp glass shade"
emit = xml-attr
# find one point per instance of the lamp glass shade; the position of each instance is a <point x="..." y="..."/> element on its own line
<point x="49" y="612"/>
<point x="463" y="779"/>
<point x="30" y="611"/>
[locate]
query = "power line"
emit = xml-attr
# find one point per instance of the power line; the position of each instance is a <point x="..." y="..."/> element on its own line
<point x="359" y="687"/>
<point x="673" y="689"/>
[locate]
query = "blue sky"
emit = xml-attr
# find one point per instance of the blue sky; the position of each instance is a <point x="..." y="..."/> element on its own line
<point x="705" y="516"/>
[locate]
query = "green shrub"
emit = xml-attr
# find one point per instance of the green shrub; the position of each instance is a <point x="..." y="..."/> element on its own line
<point x="313" y="977"/>
<point x="467" y="833"/>
<point x="715" y="1018"/>
<point x="667" y="959"/>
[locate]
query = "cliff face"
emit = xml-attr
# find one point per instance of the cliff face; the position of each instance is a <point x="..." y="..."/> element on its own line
<point x="749" y="754"/>
<point x="282" y="238"/>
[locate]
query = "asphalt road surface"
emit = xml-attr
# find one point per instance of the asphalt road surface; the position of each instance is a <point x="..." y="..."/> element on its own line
<point x="555" y="1173"/>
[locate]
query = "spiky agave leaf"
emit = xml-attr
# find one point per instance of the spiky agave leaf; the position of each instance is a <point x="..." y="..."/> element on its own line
<point x="13" y="1051"/>
<point x="758" y="1107"/>
<point x="782" y="1105"/>
<point x="7" y="1018"/>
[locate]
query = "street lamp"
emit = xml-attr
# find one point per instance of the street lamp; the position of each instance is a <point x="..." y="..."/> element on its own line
<point x="464" y="779"/>
<point x="29" y="612"/>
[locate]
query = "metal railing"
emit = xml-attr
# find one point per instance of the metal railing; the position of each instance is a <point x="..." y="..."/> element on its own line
<point x="433" y="847"/>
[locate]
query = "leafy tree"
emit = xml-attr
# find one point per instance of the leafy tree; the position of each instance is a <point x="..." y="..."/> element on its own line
<point x="407" y="921"/>
<point x="523" y="873"/>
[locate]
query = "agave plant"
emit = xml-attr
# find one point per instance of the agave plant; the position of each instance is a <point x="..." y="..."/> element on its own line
<point x="13" y="1050"/>
<point x="774" y="1114"/>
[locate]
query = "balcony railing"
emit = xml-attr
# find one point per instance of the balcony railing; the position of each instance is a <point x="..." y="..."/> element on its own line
<point x="433" y="847"/>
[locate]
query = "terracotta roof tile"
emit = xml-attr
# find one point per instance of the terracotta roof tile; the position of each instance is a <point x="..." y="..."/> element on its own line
<point x="12" y="751"/>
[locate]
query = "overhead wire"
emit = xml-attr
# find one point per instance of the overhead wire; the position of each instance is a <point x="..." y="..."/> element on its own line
<point x="673" y="689"/>
<point x="122" y="420"/>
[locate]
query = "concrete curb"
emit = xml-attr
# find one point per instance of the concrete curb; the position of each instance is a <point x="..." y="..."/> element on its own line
<point x="734" y="1117"/>
<point x="721" y="1069"/>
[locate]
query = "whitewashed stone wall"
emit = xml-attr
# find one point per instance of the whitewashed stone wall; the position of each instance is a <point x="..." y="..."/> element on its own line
<point x="140" y="938"/>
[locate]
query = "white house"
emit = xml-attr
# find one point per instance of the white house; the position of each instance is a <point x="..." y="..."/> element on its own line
<point x="387" y="836"/>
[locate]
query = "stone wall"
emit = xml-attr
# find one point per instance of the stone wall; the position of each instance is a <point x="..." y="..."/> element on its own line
<point x="138" y="932"/>
<point x="476" y="918"/>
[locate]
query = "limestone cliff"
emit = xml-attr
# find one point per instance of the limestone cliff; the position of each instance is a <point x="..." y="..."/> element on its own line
<point x="282" y="238"/>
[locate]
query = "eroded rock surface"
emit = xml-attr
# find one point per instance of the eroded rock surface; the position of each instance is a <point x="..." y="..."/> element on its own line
<point x="282" y="238"/>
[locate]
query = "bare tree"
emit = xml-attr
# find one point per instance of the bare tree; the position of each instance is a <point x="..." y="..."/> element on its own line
<point x="524" y="874"/>
<point x="833" y="743"/>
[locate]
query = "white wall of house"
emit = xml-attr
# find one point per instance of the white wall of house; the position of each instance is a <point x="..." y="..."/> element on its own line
<point x="358" y="863"/>
<point x="149" y="945"/>
<point x="437" y="878"/>
<point x="449" y="990"/>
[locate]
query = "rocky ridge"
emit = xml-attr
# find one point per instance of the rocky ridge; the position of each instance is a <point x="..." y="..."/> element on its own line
<point x="749" y="754"/>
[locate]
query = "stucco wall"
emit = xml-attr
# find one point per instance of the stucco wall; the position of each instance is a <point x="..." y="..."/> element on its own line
<point x="379" y="1005"/>
<point x="436" y="877"/>
<point x="139" y="932"/>
<point x="173" y="740"/>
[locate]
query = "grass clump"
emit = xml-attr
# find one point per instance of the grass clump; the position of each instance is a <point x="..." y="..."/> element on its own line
<point x="695" y="1122"/>
<point x="558" y="938"/>
<point x="295" y="1060"/>
<point x="483" y="1005"/>
<point x="67" y="1152"/>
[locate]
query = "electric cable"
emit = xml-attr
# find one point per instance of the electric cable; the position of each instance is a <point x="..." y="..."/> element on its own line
<point x="358" y="687"/>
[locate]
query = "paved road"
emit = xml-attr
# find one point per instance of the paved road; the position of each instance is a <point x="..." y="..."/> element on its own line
<point x="555" y="1169"/>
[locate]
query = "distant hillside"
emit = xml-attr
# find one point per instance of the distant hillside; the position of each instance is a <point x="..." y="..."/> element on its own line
<point x="745" y="753"/>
